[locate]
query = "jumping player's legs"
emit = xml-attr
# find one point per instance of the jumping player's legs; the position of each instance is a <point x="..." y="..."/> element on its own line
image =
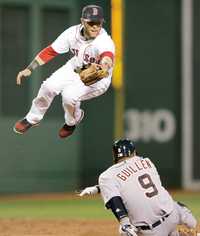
<point x="48" y="90"/>
<point x="71" y="101"/>
<point x="75" y="93"/>
<point x="41" y="103"/>
<point x="73" y="90"/>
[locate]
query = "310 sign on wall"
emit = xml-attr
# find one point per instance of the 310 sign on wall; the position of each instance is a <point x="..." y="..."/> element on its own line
<point x="158" y="125"/>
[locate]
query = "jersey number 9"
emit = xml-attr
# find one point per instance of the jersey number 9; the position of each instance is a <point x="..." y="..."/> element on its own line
<point x="147" y="183"/>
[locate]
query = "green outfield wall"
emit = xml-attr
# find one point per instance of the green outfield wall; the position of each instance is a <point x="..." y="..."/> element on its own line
<point x="39" y="161"/>
<point x="196" y="87"/>
<point x="152" y="93"/>
<point x="153" y="82"/>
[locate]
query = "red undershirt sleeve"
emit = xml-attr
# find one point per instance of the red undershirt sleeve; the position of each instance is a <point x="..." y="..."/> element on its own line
<point x="107" y="54"/>
<point x="47" y="54"/>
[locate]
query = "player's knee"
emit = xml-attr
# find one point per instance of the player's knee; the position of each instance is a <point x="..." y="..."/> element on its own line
<point x="45" y="96"/>
<point x="186" y="216"/>
<point x="42" y="102"/>
<point x="190" y="221"/>
<point x="69" y="99"/>
<point x="47" y="91"/>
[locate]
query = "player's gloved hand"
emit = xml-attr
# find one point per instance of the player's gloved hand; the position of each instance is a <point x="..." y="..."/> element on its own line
<point x="22" y="75"/>
<point x="89" y="191"/>
<point x="126" y="228"/>
<point x="129" y="230"/>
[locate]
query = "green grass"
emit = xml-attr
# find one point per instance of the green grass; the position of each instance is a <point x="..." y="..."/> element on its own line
<point x="80" y="208"/>
<point x="54" y="209"/>
<point x="192" y="201"/>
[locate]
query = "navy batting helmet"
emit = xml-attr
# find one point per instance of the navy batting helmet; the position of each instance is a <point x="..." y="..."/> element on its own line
<point x="122" y="148"/>
<point x="92" y="13"/>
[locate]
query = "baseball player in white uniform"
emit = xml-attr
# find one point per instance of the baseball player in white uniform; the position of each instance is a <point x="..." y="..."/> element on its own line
<point x="89" y="43"/>
<point x="132" y="189"/>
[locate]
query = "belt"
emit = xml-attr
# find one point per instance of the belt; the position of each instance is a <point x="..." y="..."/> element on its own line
<point x="149" y="227"/>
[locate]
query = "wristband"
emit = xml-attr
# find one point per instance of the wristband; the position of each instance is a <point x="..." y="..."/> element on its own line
<point x="34" y="64"/>
<point x="117" y="206"/>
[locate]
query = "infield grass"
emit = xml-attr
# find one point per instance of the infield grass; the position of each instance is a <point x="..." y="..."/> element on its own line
<point x="192" y="200"/>
<point x="73" y="207"/>
<point x="81" y="208"/>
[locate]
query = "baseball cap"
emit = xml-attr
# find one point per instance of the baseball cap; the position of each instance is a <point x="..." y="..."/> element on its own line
<point x="92" y="13"/>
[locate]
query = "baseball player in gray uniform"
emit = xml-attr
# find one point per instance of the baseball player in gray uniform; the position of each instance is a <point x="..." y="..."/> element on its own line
<point x="132" y="189"/>
<point x="90" y="44"/>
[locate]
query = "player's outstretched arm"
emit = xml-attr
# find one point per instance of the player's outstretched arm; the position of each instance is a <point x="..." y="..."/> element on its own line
<point x="42" y="58"/>
<point x="92" y="190"/>
<point x="28" y="70"/>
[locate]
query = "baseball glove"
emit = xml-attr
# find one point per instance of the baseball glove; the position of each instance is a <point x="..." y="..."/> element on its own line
<point x="92" y="74"/>
<point x="185" y="231"/>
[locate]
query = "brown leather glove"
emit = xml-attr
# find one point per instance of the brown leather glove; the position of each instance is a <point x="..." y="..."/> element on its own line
<point x="92" y="74"/>
<point x="185" y="231"/>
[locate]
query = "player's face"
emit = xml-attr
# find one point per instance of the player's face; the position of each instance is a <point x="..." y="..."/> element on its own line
<point x="92" y="29"/>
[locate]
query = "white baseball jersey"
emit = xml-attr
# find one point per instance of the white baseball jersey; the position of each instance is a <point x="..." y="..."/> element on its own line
<point x="137" y="182"/>
<point x="65" y="81"/>
<point x="85" y="51"/>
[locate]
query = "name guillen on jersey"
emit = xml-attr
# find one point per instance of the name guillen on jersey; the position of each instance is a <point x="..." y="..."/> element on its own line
<point x="133" y="168"/>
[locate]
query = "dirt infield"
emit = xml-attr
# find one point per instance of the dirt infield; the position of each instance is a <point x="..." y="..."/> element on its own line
<point x="55" y="227"/>
<point x="14" y="227"/>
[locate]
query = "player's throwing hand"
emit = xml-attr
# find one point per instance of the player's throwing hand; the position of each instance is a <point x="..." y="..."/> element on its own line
<point x="89" y="191"/>
<point x="22" y="75"/>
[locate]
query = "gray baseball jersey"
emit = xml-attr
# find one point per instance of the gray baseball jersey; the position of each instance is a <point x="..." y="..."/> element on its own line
<point x="137" y="181"/>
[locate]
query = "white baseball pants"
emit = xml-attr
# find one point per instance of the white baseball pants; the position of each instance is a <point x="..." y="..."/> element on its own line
<point x="180" y="215"/>
<point x="66" y="82"/>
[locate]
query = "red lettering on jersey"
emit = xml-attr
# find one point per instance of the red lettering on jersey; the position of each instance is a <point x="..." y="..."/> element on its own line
<point x="144" y="164"/>
<point x="132" y="169"/>
<point x="121" y="177"/>
<point x="86" y="58"/>
<point x="137" y="165"/>
<point x="92" y="60"/>
<point x="75" y="51"/>
<point x="129" y="170"/>
<point x="148" y="163"/>
<point x="125" y="172"/>
<point x="89" y="59"/>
